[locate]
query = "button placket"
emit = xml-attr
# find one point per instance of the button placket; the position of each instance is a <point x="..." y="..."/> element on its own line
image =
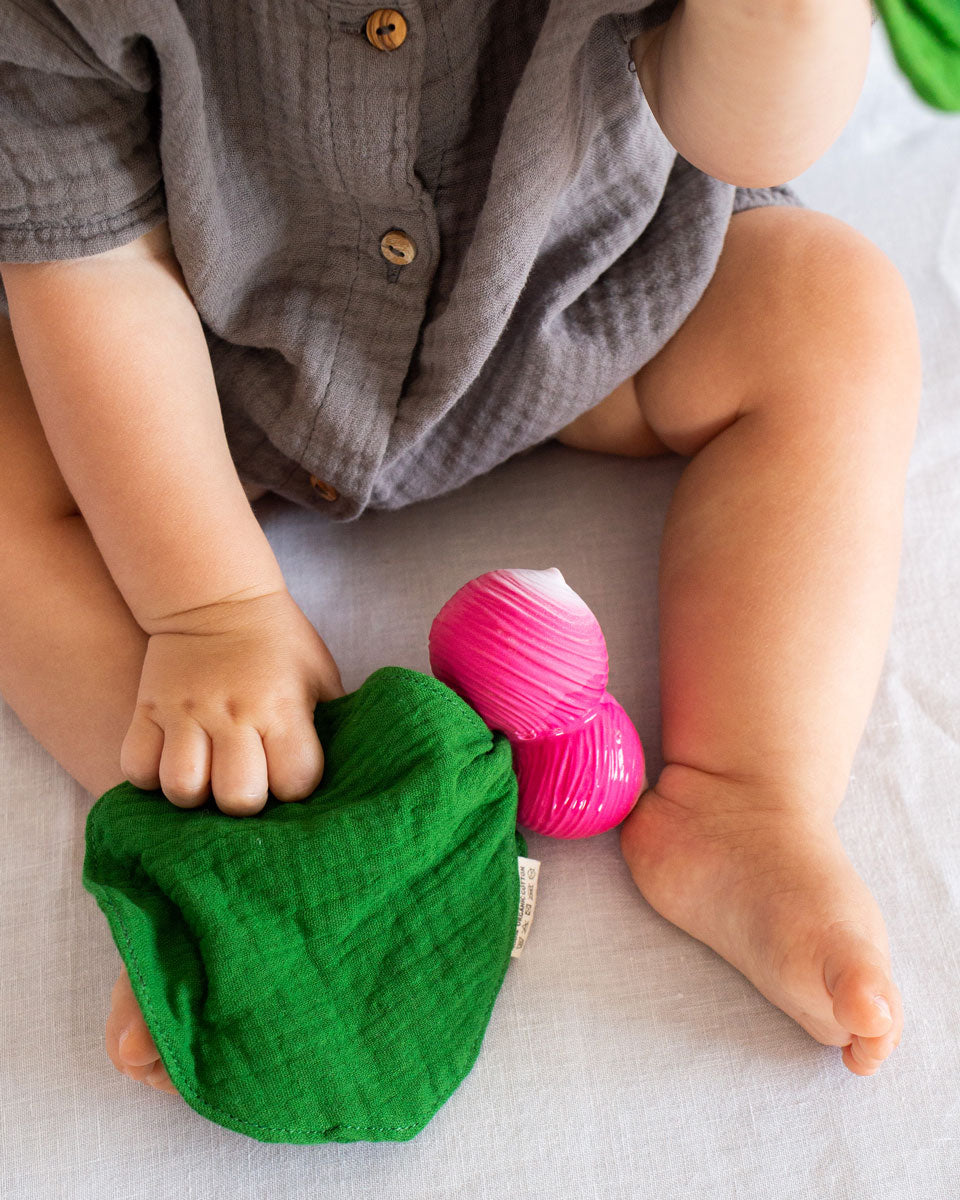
<point x="373" y="130"/>
<point x="386" y="29"/>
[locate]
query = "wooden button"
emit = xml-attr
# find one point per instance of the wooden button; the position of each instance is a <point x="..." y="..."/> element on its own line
<point x="326" y="490"/>
<point x="397" y="247"/>
<point x="386" y="29"/>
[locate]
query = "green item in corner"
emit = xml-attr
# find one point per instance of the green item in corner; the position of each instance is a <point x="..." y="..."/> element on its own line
<point x="925" y="37"/>
<point x="325" y="970"/>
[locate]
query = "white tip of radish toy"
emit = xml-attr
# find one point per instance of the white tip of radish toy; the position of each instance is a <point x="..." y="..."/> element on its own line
<point x="522" y="648"/>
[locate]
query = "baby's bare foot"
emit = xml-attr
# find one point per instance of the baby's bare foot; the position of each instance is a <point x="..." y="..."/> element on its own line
<point x="777" y="896"/>
<point x="129" y="1044"/>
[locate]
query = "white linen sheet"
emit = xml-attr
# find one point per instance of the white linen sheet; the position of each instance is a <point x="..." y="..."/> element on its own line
<point x="623" y="1058"/>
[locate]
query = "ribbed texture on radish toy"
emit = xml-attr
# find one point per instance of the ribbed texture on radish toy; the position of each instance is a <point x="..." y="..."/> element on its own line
<point x="521" y="648"/>
<point x="524" y="650"/>
<point x="581" y="781"/>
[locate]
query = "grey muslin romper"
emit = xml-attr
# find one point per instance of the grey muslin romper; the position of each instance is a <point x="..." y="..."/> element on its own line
<point x="415" y="251"/>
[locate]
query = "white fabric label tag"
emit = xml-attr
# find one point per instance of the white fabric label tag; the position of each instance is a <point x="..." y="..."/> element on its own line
<point x="529" y="869"/>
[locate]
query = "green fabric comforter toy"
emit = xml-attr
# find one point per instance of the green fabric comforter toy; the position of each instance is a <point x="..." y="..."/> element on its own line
<point x="925" y="36"/>
<point x="326" y="969"/>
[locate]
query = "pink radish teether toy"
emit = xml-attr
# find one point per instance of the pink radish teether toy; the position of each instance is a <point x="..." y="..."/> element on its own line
<point x="524" y="650"/>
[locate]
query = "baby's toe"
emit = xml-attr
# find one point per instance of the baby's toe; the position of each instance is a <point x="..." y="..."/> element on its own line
<point x="863" y="993"/>
<point x="864" y="1056"/>
<point x="136" y="1049"/>
<point x="159" y="1079"/>
<point x="852" y="1061"/>
<point x="129" y="1045"/>
<point x="137" y="1056"/>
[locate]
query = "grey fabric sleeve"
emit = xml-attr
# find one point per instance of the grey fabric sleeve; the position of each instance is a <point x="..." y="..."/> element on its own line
<point x="79" y="164"/>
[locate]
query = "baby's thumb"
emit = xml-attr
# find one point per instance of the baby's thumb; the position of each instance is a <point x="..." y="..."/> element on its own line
<point x="327" y="682"/>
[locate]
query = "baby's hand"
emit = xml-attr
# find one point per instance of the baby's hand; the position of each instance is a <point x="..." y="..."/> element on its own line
<point x="226" y="705"/>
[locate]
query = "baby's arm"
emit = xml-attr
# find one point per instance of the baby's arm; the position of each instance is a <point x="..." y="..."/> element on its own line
<point x="754" y="91"/>
<point x="114" y="352"/>
<point x="118" y="366"/>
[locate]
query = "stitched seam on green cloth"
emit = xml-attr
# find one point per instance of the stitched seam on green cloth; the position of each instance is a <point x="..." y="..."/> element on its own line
<point x="440" y="689"/>
<point x="201" y="1102"/>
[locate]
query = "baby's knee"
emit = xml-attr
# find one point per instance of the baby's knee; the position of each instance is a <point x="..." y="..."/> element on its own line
<point x="840" y="325"/>
<point x="864" y="298"/>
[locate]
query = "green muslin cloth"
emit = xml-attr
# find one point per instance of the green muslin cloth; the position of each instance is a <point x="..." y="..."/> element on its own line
<point x="325" y="970"/>
<point x="925" y="37"/>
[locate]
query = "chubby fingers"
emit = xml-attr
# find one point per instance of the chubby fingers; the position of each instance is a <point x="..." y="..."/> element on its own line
<point x="141" y="751"/>
<point x="294" y="754"/>
<point x="286" y="759"/>
<point x="231" y="759"/>
<point x="238" y="769"/>
<point x="185" y="764"/>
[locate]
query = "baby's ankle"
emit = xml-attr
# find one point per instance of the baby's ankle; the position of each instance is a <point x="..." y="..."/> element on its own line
<point x="688" y="795"/>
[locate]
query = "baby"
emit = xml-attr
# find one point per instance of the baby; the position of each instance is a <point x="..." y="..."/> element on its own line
<point x="146" y="631"/>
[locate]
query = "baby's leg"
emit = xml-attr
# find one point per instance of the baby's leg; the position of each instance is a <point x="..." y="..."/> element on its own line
<point x="793" y="386"/>
<point x="70" y="650"/>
